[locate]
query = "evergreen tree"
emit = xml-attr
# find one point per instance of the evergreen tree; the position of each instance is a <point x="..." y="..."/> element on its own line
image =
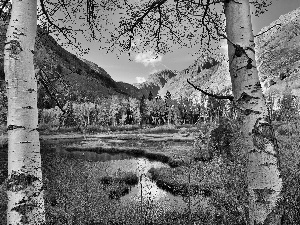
<point x="143" y="109"/>
<point x="150" y="96"/>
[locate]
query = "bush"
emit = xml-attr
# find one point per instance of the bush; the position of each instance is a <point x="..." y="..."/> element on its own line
<point x="130" y="179"/>
<point x="220" y="140"/>
<point x="283" y="130"/>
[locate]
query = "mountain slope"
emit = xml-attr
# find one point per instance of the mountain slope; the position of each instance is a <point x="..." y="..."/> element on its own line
<point x="155" y="82"/>
<point x="278" y="55"/>
<point x="207" y="73"/>
<point x="65" y="73"/>
<point x="278" y="63"/>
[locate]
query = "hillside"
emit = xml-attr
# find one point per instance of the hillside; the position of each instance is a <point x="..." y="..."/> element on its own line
<point x="278" y="63"/>
<point x="155" y="82"/>
<point x="65" y="73"/>
<point x="129" y="89"/>
<point x="207" y="73"/>
<point x="278" y="55"/>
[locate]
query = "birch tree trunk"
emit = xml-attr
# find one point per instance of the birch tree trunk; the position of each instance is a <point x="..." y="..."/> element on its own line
<point x="24" y="189"/>
<point x="260" y="146"/>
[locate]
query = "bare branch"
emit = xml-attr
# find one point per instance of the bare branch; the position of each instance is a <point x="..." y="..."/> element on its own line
<point x="229" y="97"/>
<point x="49" y="20"/>
<point x="279" y="24"/>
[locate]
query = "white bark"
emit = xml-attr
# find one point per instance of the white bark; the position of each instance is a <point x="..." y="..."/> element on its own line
<point x="263" y="175"/>
<point x="25" y="194"/>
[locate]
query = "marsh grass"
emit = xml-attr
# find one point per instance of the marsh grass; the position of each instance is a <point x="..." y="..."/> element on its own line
<point x="89" y="129"/>
<point x="74" y="193"/>
<point x="171" y="129"/>
<point x="81" y="192"/>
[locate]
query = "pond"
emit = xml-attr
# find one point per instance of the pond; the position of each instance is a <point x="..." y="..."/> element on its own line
<point x="75" y="191"/>
<point x="123" y="162"/>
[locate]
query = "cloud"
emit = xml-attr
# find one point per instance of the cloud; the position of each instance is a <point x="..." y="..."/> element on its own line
<point x="140" y="79"/>
<point x="148" y="58"/>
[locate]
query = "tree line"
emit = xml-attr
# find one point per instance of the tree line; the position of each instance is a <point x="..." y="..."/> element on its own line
<point x="119" y="110"/>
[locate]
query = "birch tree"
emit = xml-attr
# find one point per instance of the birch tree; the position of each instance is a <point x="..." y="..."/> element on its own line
<point x="24" y="189"/>
<point x="24" y="184"/>
<point x="188" y="23"/>
<point x="260" y="146"/>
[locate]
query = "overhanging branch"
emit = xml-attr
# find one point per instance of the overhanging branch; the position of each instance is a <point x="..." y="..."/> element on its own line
<point x="229" y="97"/>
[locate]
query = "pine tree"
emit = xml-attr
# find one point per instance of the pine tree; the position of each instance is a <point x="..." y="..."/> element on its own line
<point x="150" y="96"/>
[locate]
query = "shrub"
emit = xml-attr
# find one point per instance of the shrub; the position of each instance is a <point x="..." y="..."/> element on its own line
<point x="221" y="138"/>
<point x="283" y="130"/>
<point x="59" y="69"/>
<point x="130" y="179"/>
<point x="106" y="180"/>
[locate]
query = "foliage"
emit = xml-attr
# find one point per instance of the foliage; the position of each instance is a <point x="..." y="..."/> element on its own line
<point x="120" y="111"/>
<point x="288" y="108"/>
<point x="220" y="139"/>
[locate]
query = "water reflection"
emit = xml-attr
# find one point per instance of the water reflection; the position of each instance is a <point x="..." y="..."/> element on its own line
<point x="146" y="190"/>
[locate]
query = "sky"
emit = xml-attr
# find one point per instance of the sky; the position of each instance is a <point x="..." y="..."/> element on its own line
<point x="138" y="66"/>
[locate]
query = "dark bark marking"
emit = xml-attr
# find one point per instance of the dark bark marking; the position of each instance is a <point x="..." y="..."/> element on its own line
<point x="12" y="127"/>
<point x="249" y="64"/>
<point x="19" y="181"/>
<point x="26" y="205"/>
<point x="23" y="209"/>
<point x="27" y="107"/>
<point x="246" y="97"/>
<point x="247" y="112"/>
<point x="15" y="48"/>
<point x="263" y="134"/>
<point x="257" y="87"/>
<point x="30" y="90"/>
<point x="267" y="164"/>
<point x="253" y="151"/>
<point x="262" y="194"/>
<point x="238" y="50"/>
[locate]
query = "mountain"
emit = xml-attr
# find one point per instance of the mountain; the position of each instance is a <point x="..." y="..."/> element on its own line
<point x="278" y="62"/>
<point x="65" y="73"/>
<point x="129" y="89"/>
<point x="155" y="82"/>
<point x="278" y="55"/>
<point x="208" y="73"/>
